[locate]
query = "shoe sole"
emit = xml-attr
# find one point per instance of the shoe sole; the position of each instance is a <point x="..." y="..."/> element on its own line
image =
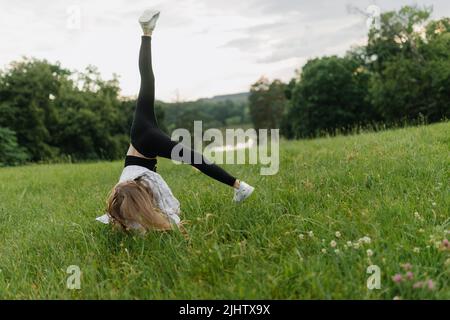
<point x="248" y="195"/>
<point x="147" y="16"/>
<point x="251" y="192"/>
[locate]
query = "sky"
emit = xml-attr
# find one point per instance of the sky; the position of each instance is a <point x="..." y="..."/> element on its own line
<point x="201" y="48"/>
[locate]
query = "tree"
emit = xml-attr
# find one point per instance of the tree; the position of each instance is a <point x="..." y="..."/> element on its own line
<point x="400" y="76"/>
<point x="10" y="152"/>
<point x="55" y="112"/>
<point x="411" y="80"/>
<point x="437" y="53"/>
<point x="26" y="91"/>
<point x="91" y="124"/>
<point x="330" y="94"/>
<point x="267" y="103"/>
<point x="399" y="34"/>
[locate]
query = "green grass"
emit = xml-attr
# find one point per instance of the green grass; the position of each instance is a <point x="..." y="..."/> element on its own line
<point x="366" y="185"/>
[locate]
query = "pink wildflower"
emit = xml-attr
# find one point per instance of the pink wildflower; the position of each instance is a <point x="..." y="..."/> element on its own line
<point x="397" y="278"/>
<point x="445" y="243"/>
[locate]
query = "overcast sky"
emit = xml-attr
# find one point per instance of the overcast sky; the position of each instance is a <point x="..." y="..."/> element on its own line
<point x="201" y="48"/>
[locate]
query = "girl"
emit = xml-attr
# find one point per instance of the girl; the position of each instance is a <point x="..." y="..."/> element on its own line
<point x="142" y="200"/>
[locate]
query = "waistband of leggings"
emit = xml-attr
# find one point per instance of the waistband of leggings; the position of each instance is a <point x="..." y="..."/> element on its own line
<point x="150" y="164"/>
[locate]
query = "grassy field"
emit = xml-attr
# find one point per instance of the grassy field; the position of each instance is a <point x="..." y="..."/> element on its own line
<point x="337" y="206"/>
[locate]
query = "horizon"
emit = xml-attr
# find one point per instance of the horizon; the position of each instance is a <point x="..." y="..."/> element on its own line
<point x="201" y="49"/>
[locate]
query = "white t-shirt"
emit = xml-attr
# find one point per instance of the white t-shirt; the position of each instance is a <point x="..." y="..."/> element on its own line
<point x="162" y="194"/>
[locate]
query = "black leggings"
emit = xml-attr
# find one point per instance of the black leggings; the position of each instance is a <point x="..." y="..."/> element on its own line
<point x="152" y="142"/>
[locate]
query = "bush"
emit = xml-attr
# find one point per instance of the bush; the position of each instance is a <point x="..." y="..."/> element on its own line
<point x="10" y="152"/>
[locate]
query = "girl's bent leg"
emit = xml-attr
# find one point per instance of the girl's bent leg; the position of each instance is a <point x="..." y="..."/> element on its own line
<point x="210" y="169"/>
<point x="165" y="146"/>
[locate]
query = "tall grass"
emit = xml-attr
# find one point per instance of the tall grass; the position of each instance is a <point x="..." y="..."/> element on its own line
<point x="390" y="187"/>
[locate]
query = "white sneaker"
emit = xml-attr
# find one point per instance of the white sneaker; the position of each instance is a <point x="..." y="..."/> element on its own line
<point x="148" y="20"/>
<point x="243" y="192"/>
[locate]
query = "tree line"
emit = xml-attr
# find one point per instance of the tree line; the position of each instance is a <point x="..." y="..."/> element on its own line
<point x="49" y="113"/>
<point x="401" y="76"/>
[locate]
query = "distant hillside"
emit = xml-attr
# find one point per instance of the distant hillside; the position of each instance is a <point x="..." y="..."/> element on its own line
<point x="237" y="98"/>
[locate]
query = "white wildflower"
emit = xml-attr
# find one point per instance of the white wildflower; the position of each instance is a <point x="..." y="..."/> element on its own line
<point x="367" y="239"/>
<point x="418" y="216"/>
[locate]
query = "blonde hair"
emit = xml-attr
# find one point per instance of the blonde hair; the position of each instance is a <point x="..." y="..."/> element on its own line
<point x="132" y="202"/>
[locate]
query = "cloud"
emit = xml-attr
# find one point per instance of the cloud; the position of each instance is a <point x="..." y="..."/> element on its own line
<point x="201" y="47"/>
<point x="290" y="37"/>
<point x="310" y="28"/>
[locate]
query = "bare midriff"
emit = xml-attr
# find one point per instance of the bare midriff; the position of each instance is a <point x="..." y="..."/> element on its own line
<point x="133" y="152"/>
